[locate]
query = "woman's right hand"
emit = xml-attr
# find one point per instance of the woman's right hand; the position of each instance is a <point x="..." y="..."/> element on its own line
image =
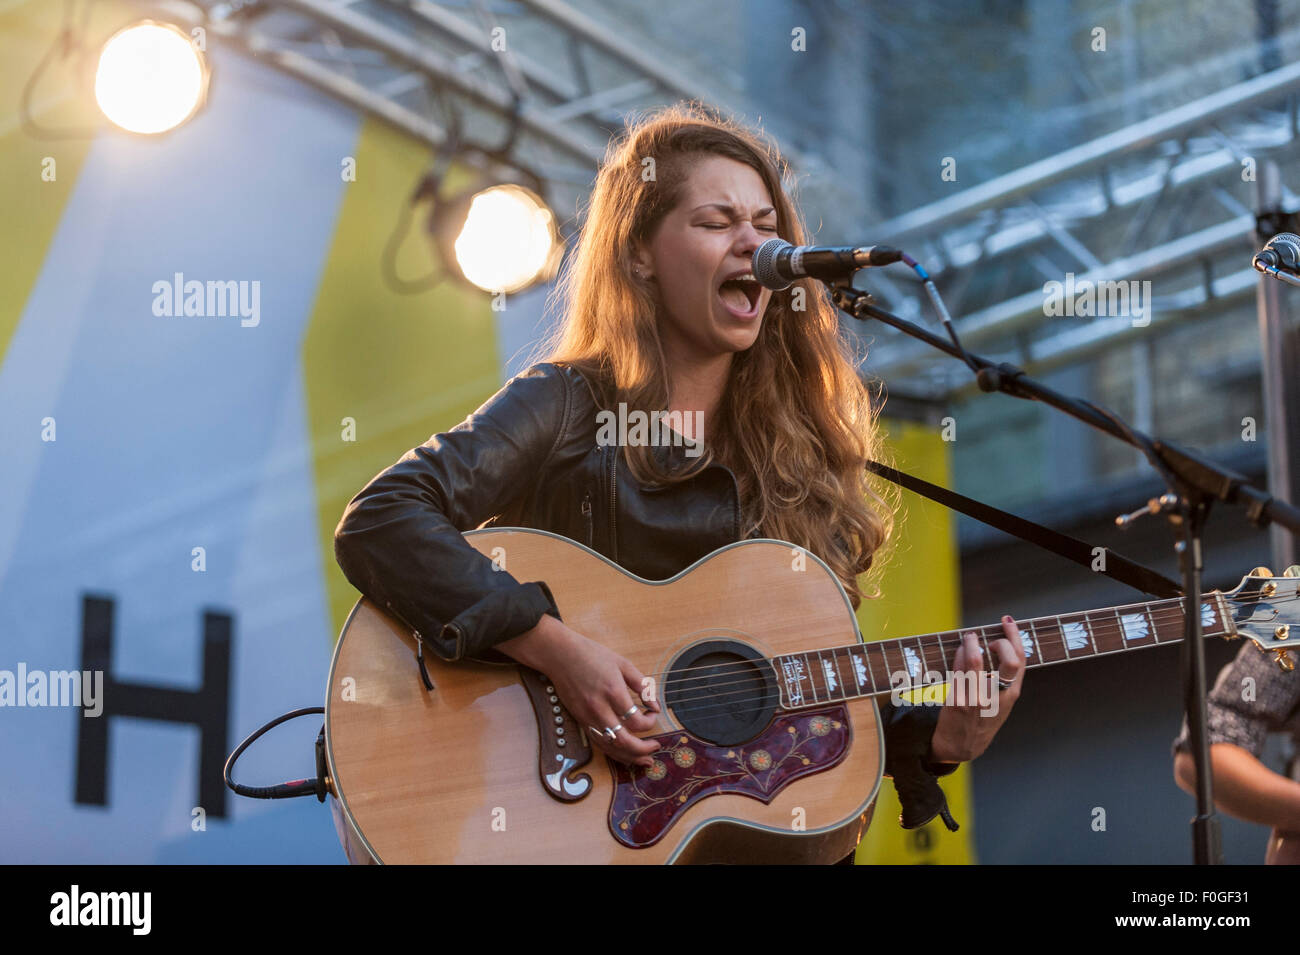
<point x="595" y="684"/>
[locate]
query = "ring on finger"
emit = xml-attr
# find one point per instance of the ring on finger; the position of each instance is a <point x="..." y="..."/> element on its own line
<point x="609" y="732"/>
<point x="1005" y="684"/>
<point x="632" y="712"/>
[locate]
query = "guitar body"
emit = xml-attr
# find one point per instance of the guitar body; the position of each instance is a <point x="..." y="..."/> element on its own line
<point x="459" y="773"/>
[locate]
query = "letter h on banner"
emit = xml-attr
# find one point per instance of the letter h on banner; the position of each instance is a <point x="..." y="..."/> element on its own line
<point x="208" y="707"/>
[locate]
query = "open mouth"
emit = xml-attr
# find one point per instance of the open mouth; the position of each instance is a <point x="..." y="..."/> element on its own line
<point x="741" y="294"/>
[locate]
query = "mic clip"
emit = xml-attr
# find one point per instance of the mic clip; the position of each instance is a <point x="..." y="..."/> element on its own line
<point x="1275" y="221"/>
<point x="849" y="299"/>
<point x="999" y="378"/>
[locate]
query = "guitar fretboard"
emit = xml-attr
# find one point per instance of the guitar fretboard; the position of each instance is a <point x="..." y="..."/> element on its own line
<point x="867" y="669"/>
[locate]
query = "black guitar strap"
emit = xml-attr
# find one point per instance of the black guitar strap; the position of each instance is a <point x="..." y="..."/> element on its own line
<point x="1071" y="548"/>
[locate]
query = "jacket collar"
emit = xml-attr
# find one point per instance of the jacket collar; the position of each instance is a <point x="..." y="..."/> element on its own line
<point x="673" y="458"/>
<point x="670" y="457"/>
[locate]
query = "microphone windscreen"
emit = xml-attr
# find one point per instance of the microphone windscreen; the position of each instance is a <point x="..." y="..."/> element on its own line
<point x="764" y="264"/>
<point x="1286" y="245"/>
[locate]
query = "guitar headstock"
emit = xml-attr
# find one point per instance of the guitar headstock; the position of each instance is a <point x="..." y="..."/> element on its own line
<point x="1266" y="611"/>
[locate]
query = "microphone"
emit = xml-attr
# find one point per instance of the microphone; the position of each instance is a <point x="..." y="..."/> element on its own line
<point x="1282" y="252"/>
<point x="777" y="263"/>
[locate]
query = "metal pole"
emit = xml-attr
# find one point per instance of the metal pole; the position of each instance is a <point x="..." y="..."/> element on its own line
<point x="1279" y="351"/>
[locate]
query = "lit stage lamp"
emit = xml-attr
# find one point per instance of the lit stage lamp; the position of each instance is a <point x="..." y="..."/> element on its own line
<point x="501" y="238"/>
<point x="151" y="78"/>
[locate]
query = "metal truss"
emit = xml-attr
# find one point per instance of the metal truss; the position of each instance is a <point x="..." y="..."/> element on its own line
<point x="1161" y="200"/>
<point x="1167" y="200"/>
<point x="563" y="80"/>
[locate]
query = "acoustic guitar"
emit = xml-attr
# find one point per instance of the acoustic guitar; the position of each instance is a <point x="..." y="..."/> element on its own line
<point x="771" y="746"/>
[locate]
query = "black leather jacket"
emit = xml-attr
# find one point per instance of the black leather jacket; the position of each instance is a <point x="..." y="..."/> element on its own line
<point x="529" y="458"/>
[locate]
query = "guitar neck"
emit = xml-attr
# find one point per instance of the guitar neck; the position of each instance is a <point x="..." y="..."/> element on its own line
<point x="870" y="669"/>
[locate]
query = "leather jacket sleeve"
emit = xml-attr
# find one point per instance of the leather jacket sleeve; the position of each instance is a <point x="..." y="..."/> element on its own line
<point x="399" y="541"/>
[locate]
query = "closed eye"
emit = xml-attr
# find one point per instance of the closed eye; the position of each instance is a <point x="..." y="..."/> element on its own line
<point x="721" y="225"/>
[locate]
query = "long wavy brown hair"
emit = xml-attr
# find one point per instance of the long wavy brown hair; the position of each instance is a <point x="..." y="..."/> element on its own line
<point x="810" y="420"/>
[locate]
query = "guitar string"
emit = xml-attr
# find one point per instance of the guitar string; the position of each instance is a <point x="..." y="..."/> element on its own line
<point x="1167" y="614"/>
<point x="1103" y="630"/>
<point x="1174" y="604"/>
<point x="748" y="703"/>
<point x="1167" y="611"/>
<point x="718" y="701"/>
<point x="1052" y="643"/>
<point x="714" y="697"/>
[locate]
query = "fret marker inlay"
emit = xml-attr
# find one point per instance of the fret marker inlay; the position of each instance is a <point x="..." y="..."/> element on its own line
<point x="1135" y="626"/>
<point x="829" y="672"/>
<point x="1076" y="635"/>
<point x="913" y="662"/>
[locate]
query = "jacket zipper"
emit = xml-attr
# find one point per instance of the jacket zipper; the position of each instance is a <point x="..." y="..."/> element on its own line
<point x="586" y="512"/>
<point x="613" y="489"/>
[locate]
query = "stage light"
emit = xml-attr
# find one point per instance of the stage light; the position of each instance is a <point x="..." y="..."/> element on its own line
<point x="508" y="241"/>
<point x="150" y="79"/>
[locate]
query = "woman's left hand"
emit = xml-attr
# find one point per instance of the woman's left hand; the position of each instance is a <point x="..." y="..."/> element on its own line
<point x="966" y="726"/>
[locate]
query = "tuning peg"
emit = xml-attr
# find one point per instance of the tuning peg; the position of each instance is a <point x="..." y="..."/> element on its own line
<point x="1261" y="572"/>
<point x="1292" y="571"/>
<point x="1283" y="659"/>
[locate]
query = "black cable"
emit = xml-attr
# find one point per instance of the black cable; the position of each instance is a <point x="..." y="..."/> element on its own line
<point x="429" y="187"/>
<point x="941" y="310"/>
<point x="514" y="80"/>
<point x="501" y="152"/>
<point x="67" y="41"/>
<point x="298" y="787"/>
<point x="388" y="259"/>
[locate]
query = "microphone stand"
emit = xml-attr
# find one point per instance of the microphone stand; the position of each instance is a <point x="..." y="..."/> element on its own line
<point x="1194" y="483"/>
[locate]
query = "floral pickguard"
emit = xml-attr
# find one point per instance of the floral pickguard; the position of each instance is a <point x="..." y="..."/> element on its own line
<point x="648" y="800"/>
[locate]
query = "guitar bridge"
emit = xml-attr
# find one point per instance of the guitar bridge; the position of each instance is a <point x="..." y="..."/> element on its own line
<point x="562" y="747"/>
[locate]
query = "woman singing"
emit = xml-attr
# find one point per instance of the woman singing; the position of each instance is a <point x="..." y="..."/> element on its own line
<point x="661" y="314"/>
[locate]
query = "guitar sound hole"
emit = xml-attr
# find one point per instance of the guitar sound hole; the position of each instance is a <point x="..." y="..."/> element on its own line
<point x="722" y="692"/>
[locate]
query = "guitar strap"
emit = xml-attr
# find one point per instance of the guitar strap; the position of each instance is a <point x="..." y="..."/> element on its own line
<point x="919" y="792"/>
<point x="1115" y="567"/>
